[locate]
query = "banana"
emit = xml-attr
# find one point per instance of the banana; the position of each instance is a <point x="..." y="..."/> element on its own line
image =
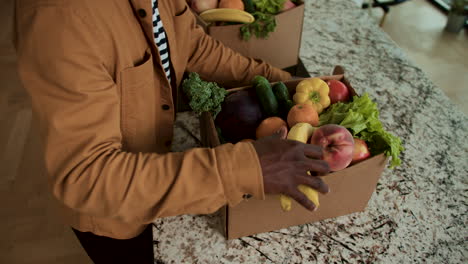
<point x="310" y="193"/>
<point x="300" y="132"/>
<point x="226" y="15"/>
<point x="286" y="202"/>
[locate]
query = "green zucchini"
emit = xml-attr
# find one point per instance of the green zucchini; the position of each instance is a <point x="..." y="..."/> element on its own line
<point x="265" y="94"/>
<point x="281" y="92"/>
<point x="284" y="99"/>
<point x="288" y="104"/>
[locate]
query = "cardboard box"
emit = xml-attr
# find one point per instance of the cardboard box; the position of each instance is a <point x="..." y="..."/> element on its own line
<point x="351" y="189"/>
<point x="281" y="48"/>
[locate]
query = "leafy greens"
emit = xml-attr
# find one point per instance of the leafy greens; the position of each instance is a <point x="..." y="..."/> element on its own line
<point x="204" y="96"/>
<point x="263" y="25"/>
<point x="269" y="6"/>
<point x="265" y="22"/>
<point x="361" y="117"/>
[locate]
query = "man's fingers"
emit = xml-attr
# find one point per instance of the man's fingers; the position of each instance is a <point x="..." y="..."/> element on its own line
<point x="302" y="199"/>
<point x="314" y="182"/>
<point x="320" y="167"/>
<point x="313" y="151"/>
<point x="282" y="132"/>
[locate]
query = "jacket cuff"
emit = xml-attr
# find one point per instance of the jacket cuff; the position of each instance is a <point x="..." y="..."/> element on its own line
<point x="240" y="172"/>
<point x="279" y="75"/>
<point x="274" y="74"/>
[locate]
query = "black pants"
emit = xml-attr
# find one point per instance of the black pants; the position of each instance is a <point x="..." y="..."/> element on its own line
<point x="103" y="250"/>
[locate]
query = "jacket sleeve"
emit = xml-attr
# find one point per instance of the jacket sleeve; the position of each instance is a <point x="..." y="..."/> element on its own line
<point x="216" y="62"/>
<point x="77" y="106"/>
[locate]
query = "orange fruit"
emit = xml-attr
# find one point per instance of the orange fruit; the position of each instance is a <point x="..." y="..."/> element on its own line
<point x="232" y="4"/>
<point x="303" y="113"/>
<point x="269" y="126"/>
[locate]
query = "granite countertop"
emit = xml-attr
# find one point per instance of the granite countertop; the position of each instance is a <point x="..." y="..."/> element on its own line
<point x="418" y="213"/>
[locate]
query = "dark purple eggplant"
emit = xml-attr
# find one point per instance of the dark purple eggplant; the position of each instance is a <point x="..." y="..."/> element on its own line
<point x="240" y="116"/>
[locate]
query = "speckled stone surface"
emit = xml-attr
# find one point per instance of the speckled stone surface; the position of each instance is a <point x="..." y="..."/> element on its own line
<point x="418" y="213"/>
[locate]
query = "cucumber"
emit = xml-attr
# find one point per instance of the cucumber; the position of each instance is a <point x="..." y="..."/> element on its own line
<point x="288" y="104"/>
<point x="284" y="99"/>
<point x="265" y="94"/>
<point x="281" y="92"/>
<point x="260" y="79"/>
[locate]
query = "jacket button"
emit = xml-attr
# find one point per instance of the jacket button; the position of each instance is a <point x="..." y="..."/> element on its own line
<point x="166" y="107"/>
<point x="141" y="12"/>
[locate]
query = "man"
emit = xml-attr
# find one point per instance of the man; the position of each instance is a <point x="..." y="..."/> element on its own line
<point x="103" y="78"/>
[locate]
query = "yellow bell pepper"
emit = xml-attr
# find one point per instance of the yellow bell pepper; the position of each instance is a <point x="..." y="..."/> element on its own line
<point x="314" y="92"/>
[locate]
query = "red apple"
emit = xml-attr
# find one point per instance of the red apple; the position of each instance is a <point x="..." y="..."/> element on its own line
<point x="288" y="5"/>
<point x="338" y="91"/>
<point x="361" y="151"/>
<point x="337" y="143"/>
<point x="203" y="5"/>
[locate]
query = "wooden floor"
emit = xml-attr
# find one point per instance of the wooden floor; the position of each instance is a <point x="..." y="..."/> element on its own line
<point x="417" y="27"/>
<point x="29" y="224"/>
<point x="30" y="228"/>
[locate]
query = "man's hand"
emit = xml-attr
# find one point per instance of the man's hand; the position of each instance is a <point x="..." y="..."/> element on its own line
<point x="285" y="164"/>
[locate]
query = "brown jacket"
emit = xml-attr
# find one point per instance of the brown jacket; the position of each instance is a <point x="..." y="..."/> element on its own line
<point x="97" y="87"/>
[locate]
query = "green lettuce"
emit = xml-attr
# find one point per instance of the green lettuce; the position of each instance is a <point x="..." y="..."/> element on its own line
<point x="361" y="117"/>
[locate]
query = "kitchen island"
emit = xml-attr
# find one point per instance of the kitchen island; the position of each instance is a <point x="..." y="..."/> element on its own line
<point x="418" y="212"/>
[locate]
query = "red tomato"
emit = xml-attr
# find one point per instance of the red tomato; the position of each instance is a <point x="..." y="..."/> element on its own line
<point x="338" y="91"/>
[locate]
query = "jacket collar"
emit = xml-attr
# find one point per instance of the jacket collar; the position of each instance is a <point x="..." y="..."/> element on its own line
<point x="147" y="26"/>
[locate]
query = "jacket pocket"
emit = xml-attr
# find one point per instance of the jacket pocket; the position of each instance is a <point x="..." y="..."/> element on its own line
<point x="137" y="105"/>
<point x="181" y="13"/>
<point x="183" y="21"/>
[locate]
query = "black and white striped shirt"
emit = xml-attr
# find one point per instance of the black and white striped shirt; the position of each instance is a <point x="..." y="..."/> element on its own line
<point x="161" y="40"/>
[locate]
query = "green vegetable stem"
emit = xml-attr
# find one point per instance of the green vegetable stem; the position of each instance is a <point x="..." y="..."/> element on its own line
<point x="204" y="96"/>
<point x="263" y="25"/>
<point x="361" y="117"/>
